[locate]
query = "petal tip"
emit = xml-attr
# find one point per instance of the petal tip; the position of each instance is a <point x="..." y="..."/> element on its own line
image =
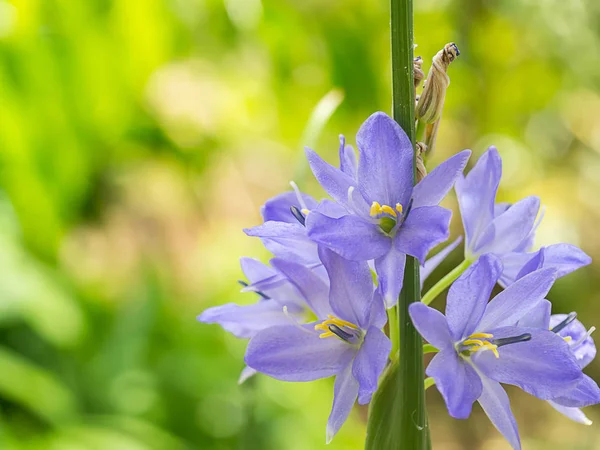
<point x="329" y="434"/>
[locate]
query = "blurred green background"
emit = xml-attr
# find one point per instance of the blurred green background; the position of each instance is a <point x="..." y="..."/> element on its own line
<point x="138" y="137"/>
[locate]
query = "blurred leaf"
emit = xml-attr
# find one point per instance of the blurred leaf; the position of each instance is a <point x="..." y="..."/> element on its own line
<point x="34" y="388"/>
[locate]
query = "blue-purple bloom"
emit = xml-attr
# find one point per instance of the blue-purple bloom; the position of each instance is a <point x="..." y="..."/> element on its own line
<point x="506" y="230"/>
<point x="383" y="217"/>
<point x="346" y="341"/>
<point x="481" y="346"/>
<point x="581" y="344"/>
<point x="297" y="300"/>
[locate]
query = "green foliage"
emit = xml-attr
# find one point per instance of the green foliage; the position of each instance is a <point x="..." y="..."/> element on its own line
<point x="138" y="137"/>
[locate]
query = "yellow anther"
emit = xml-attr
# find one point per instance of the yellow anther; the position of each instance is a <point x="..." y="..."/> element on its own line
<point x="326" y="334"/>
<point x="487" y="346"/>
<point x="473" y="342"/>
<point x="324" y="326"/>
<point x="388" y="209"/>
<point x="481" y="335"/>
<point x="305" y="211"/>
<point x="375" y="209"/>
<point x="480" y="344"/>
<point x="568" y="338"/>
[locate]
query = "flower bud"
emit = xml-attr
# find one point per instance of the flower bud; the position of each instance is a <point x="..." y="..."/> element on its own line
<point x="431" y="101"/>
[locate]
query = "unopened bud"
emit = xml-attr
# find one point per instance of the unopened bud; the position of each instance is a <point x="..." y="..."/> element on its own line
<point x="431" y="102"/>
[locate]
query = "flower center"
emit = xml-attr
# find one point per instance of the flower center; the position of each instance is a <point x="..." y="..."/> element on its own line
<point x="377" y="210"/>
<point x="477" y="342"/>
<point x="485" y="341"/>
<point x="388" y="216"/>
<point x="343" y="329"/>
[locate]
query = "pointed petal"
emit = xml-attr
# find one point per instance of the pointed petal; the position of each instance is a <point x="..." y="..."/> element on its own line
<point x="469" y="295"/>
<point x="247" y="372"/>
<point x="477" y="193"/>
<point x="278" y="208"/>
<point x="286" y="241"/>
<point x="335" y="182"/>
<point x="350" y="236"/>
<point x="245" y="321"/>
<point x="432" y="263"/>
<point x="390" y="275"/>
<point x="291" y="353"/>
<point x="508" y="230"/>
<point x="314" y="290"/>
<point x="457" y="381"/>
<point x="385" y="163"/>
<point x="432" y="325"/>
<point x="517" y="300"/>
<point x="574" y="414"/>
<point x="348" y="163"/>
<point x="345" y="391"/>
<point x="433" y="188"/>
<point x="255" y="270"/>
<point x="543" y="366"/>
<point x="565" y="258"/>
<point x="351" y="287"/>
<point x="495" y="404"/>
<point x="423" y="229"/>
<point x="586" y="393"/>
<point x="370" y="362"/>
<point x="538" y="317"/>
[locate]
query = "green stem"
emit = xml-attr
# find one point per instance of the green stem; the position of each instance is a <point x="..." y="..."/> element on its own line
<point x="428" y="348"/>
<point x="393" y="328"/>
<point x="420" y="131"/>
<point x="411" y="421"/>
<point x="441" y="285"/>
<point x="397" y="419"/>
<point x="428" y="383"/>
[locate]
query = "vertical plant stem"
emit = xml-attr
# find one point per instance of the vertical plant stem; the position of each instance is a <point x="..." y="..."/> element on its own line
<point x="412" y="420"/>
<point x="397" y="418"/>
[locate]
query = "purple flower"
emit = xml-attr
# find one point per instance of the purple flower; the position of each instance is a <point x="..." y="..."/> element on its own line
<point x="301" y="296"/>
<point x="481" y="346"/>
<point x="346" y="341"/>
<point x="281" y="232"/>
<point x="506" y="230"/>
<point x="581" y="344"/>
<point x="384" y="217"/>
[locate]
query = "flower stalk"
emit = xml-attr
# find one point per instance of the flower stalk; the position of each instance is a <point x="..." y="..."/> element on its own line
<point x="445" y="282"/>
<point x="398" y="417"/>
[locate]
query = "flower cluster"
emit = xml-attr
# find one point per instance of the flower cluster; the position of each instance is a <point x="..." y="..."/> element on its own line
<point x="339" y="264"/>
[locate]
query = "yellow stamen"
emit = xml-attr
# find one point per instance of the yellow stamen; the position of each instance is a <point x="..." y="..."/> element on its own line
<point x="481" y="335"/>
<point x="479" y="344"/>
<point x="375" y="209"/>
<point x="473" y="342"/>
<point x="305" y="211"/>
<point x="487" y="346"/>
<point x="324" y="326"/>
<point x="388" y="209"/>
<point x="568" y="338"/>
<point x="326" y="334"/>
